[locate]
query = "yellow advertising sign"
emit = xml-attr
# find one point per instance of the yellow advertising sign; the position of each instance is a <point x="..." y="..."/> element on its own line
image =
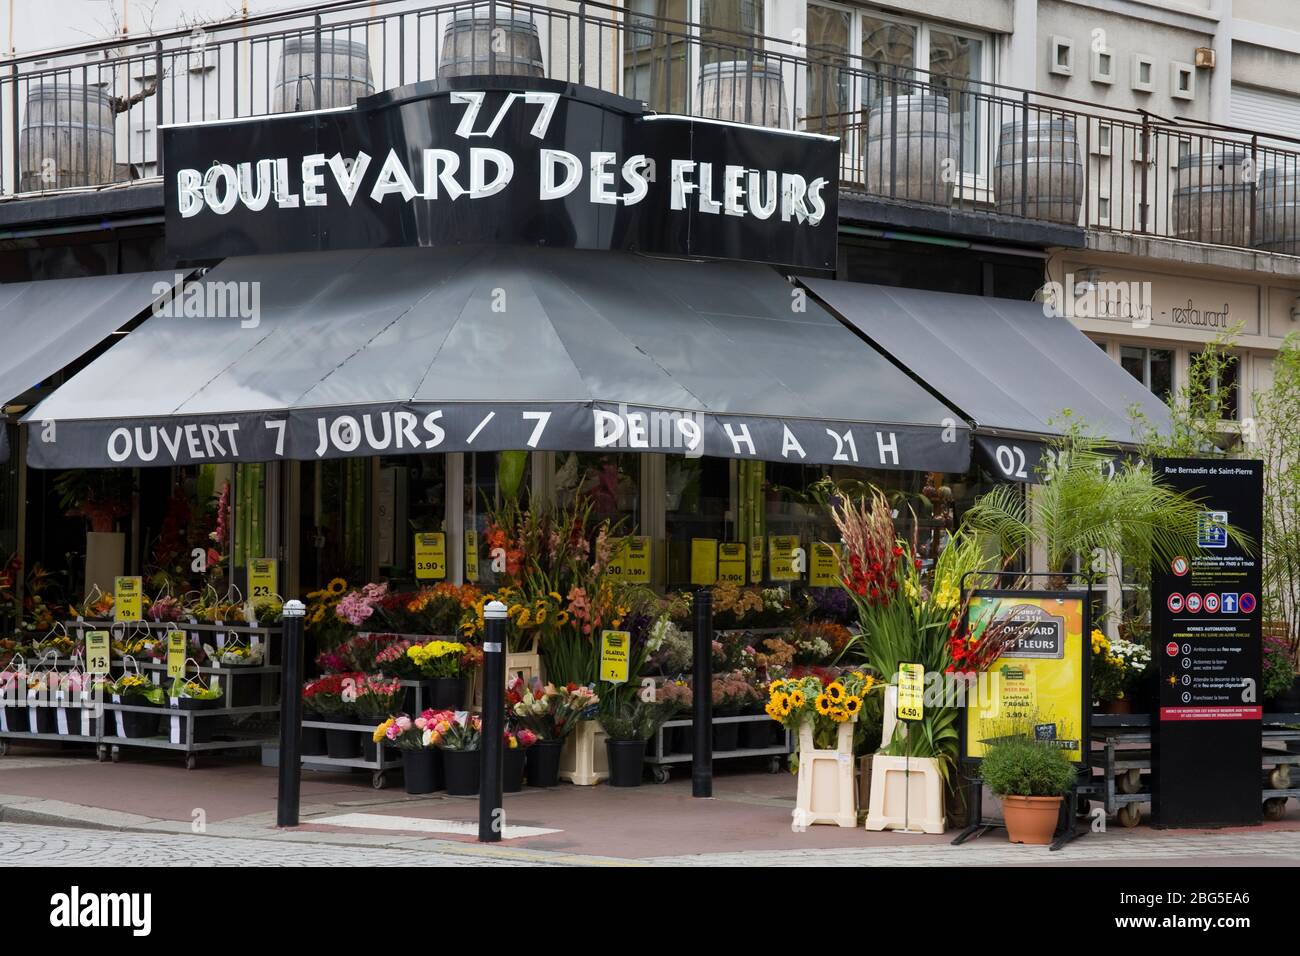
<point x="911" y="691"/>
<point x="263" y="577"/>
<point x="128" y="599"/>
<point x="704" y="561"/>
<point x="615" y="654"/>
<point x="824" y="565"/>
<point x="782" y="548"/>
<point x="431" y="556"/>
<point x="631" y="561"/>
<point x="175" y="653"/>
<point x="97" y="652"/>
<point x="756" y="560"/>
<point x="731" y="564"/>
<point x="1037" y="685"/>
<point x="471" y="557"/>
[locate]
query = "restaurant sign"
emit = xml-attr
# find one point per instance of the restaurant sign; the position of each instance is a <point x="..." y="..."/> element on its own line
<point x="500" y="160"/>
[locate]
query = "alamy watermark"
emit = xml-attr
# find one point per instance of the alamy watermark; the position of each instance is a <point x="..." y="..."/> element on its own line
<point x="209" y="299"/>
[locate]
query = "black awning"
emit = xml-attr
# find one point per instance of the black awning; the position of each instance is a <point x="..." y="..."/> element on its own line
<point x="494" y="348"/>
<point x="1017" y="373"/>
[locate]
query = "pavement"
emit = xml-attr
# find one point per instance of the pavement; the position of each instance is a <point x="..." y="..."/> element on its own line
<point x="65" y="808"/>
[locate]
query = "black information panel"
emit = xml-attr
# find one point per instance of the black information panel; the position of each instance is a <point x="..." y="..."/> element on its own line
<point x="501" y="160"/>
<point x="1205" y="617"/>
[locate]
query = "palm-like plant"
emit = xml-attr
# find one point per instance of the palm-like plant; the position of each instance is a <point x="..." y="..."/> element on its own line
<point x="1085" y="504"/>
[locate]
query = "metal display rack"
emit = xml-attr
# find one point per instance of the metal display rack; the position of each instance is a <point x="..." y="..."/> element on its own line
<point x="381" y="763"/>
<point x="660" y="762"/>
<point x="108" y="743"/>
<point x="1124" y="756"/>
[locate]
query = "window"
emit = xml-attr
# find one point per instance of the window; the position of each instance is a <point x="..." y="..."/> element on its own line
<point x="611" y="481"/>
<point x="1103" y="67"/>
<point x="1154" y="368"/>
<point x="1062" y="56"/>
<point x="728" y="28"/>
<point x="1143" y="72"/>
<point x="1225" y="390"/>
<point x="655" y="65"/>
<point x="410" y="499"/>
<point x="1182" y="85"/>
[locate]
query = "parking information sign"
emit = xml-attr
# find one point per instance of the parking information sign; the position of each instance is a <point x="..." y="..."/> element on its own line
<point x="1205" y="618"/>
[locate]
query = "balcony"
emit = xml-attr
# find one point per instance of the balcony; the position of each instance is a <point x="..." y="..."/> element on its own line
<point x="89" y="117"/>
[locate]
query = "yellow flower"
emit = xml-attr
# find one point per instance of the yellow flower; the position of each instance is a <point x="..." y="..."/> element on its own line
<point x="786" y="705"/>
<point x="835" y="691"/>
<point x="337" y="586"/>
<point x="540" y="616"/>
<point x="839" y="715"/>
<point x="773" y="709"/>
<point x="562" y="618"/>
<point x="524" y="619"/>
<point x="776" y="686"/>
<point x="852" y="705"/>
<point x="823" y="704"/>
<point x="796" y="699"/>
<point x="381" y="730"/>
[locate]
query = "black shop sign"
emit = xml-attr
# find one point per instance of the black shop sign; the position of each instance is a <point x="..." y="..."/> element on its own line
<point x="1206" y="634"/>
<point x="500" y="160"/>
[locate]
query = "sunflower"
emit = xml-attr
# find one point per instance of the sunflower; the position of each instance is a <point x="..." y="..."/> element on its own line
<point x="868" y="683"/>
<point x="796" y="698"/>
<point x="337" y="586"/>
<point x="562" y="618"/>
<point x="776" y="685"/>
<point x="773" y="708"/>
<point x="835" y="691"/>
<point x="839" y="715"/>
<point x="786" y="704"/>
<point x="852" y="705"/>
<point x="823" y="704"/>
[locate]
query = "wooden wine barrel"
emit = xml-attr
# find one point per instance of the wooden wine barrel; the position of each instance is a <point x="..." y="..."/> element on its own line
<point x="1049" y="184"/>
<point x="743" y="91"/>
<point x="1212" y="197"/>
<point x="909" y="143"/>
<point x="1277" y="210"/>
<point x="66" y="137"/>
<point x="467" y="45"/>
<point x="344" y="74"/>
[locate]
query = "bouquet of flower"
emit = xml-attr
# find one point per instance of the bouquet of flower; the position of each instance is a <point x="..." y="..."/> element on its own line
<point x="827" y="700"/>
<point x="463" y="731"/>
<point x="332" y="694"/>
<point x="165" y="609"/>
<point x="550" y="712"/>
<point x="441" y="609"/>
<point x="393" y="660"/>
<point x="399" y="731"/>
<point x="193" y="690"/>
<point x="357" y="607"/>
<point x="321" y="621"/>
<point x="732" y="693"/>
<point x="378" y="695"/>
<point x="437" y="659"/>
<point x="520" y="739"/>
<point x="236" y="654"/>
<point x="138" y="689"/>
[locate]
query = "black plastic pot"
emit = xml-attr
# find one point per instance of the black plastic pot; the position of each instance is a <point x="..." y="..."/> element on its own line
<point x="725" y="736"/>
<point x="313" y="738"/>
<point x="370" y="749"/>
<point x="512" y="770"/>
<point x="16" y="719"/>
<point x="447" y="693"/>
<point x="342" y="744"/>
<point x="422" y="770"/>
<point x="756" y="734"/>
<point x="684" y="740"/>
<point x="47" y="720"/>
<point x="460" y="772"/>
<point x="544" y="763"/>
<point x="626" y="761"/>
<point x="1288" y="702"/>
<point x="204" y="726"/>
<point x="73" y="713"/>
<point x="136" y="724"/>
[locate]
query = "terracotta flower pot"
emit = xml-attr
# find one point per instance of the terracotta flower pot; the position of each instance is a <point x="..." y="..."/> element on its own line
<point x="1121" y="705"/>
<point x="1031" y="820"/>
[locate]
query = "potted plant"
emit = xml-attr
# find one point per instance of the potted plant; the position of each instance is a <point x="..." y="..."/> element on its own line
<point x="1279" y="676"/>
<point x="137" y="691"/>
<point x="70" y="695"/>
<point x="515" y="757"/>
<point x="333" y="697"/>
<point x="629" y="724"/>
<point x="733" y="694"/>
<point x="552" y="713"/>
<point x="441" y="664"/>
<point x="421" y="758"/>
<point x="194" y="695"/>
<point x="377" y="697"/>
<point x="458" y="735"/>
<point x="313" y="738"/>
<point x="1031" y="778"/>
<point x="13" y="693"/>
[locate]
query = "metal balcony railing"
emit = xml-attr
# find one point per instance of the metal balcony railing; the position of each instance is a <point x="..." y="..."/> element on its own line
<point x="89" y="116"/>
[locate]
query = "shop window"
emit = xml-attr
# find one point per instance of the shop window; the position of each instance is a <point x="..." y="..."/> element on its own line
<point x="1154" y="368"/>
<point x="410" y="499"/>
<point x="729" y="29"/>
<point x="697" y="504"/>
<point x="656" y="56"/>
<point x="1225" y="388"/>
<point x="492" y="479"/>
<point x="612" y="482"/>
<point x="334" y="520"/>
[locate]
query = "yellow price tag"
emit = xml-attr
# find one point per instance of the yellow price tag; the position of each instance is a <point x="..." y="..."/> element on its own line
<point x="756" y="560"/>
<point x="615" y="654"/>
<point x="128" y="599"/>
<point x="471" y="557"/>
<point x="175" y="653"/>
<point x="97" y="652"/>
<point x="824" y="567"/>
<point x="782" y="548"/>
<point x="704" y="561"/>
<point x="263" y="578"/>
<point x="911" y="692"/>
<point x="631" y="561"/>
<point x="731" y="563"/>
<point x="431" y="556"/>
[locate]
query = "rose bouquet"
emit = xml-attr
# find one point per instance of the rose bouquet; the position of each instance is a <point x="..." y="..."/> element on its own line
<point x="378" y="695"/>
<point x="550" y="712"/>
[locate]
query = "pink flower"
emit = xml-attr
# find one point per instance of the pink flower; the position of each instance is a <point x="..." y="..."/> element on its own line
<point x="404" y="722"/>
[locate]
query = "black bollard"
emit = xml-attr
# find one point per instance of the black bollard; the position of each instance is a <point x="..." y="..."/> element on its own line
<point x="491" y="816"/>
<point x="702" y="761"/>
<point x="286" y="813"/>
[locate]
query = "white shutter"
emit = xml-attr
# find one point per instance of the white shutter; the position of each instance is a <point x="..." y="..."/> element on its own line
<point x="1264" y="110"/>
